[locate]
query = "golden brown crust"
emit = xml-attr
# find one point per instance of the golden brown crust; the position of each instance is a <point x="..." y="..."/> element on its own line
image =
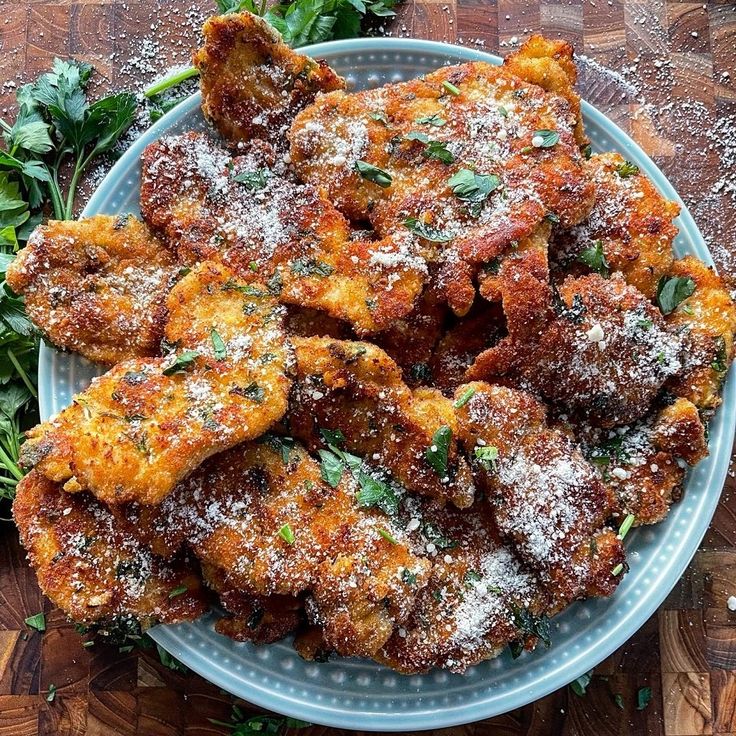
<point x="356" y="388"/>
<point x="631" y="222"/>
<point x="295" y="240"/>
<point x="96" y="286"/>
<point x="93" y="566"/>
<point x="252" y="83"/>
<point x="707" y="320"/>
<point x="547" y="500"/>
<point x="141" y="427"/>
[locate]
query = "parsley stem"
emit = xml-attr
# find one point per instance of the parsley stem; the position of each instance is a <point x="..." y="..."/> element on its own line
<point x="79" y="168"/>
<point x="9" y="481"/>
<point x="5" y="126"/>
<point x="9" y="465"/>
<point x="22" y="373"/>
<point x="171" y="81"/>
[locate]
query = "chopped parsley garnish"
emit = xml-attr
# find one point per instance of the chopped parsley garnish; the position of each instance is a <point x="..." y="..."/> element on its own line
<point x="408" y="576"/>
<point x="487" y="456"/>
<point x="473" y="188"/>
<point x="51" y="694"/>
<point x="311" y="267"/>
<point x="436" y="120"/>
<point x="432" y="149"/>
<point x="619" y="700"/>
<point x="387" y="536"/>
<point x="275" y="284"/>
<point x="179" y="590"/>
<point x="545" y="138"/>
<point x="253" y="180"/>
<point x="182" y="363"/>
<point x="623" y="530"/>
<point x="37" y="622"/>
<point x="380" y="117"/>
<point x="553" y="218"/>
<point x="433" y="234"/>
<point x="595" y="259"/>
<point x="451" y="88"/>
<point x="375" y="492"/>
<point x="437" y="453"/>
<point x="531" y="624"/>
<point x="331" y="468"/>
<point x="464" y="398"/>
<point x="643" y="697"/>
<point x="286" y="534"/>
<point x="218" y="345"/>
<point x="420" y="372"/>
<point x="580" y="685"/>
<point x="502" y="111"/>
<point x="282" y="445"/>
<point x="332" y="436"/>
<point x="252" y="391"/>
<point x="627" y="169"/>
<point x="374" y="174"/>
<point x="673" y="290"/>
<point x="720" y="361"/>
<point x="587" y="152"/>
<point x="472" y="576"/>
<point x="247" y="289"/>
<point x="618" y="569"/>
<point x="435" y="536"/>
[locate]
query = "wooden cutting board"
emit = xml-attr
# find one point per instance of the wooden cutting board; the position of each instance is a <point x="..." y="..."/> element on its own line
<point x="666" y="73"/>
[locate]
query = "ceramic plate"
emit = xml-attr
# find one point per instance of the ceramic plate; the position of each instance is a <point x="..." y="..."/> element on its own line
<point x="359" y="694"/>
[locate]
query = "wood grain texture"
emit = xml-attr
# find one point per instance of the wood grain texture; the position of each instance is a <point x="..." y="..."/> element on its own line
<point x="665" y="71"/>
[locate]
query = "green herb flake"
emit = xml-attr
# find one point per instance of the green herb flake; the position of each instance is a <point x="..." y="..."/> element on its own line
<point x="218" y="345"/>
<point x="673" y="290"/>
<point x="617" y="570"/>
<point x="432" y="149"/>
<point x="375" y="492"/>
<point x="51" y="696"/>
<point x="625" y="527"/>
<point x="432" y="234"/>
<point x="487" y="456"/>
<point x="619" y="700"/>
<point x="502" y="111"/>
<point x="332" y="436"/>
<point x="331" y="467"/>
<point x="436" y="120"/>
<point x="545" y="138"/>
<point x="643" y="697"/>
<point x="627" y="169"/>
<point x="286" y="534"/>
<point x="437" y="453"/>
<point x="387" y="536"/>
<point x="373" y="174"/>
<point x="473" y="188"/>
<point x="252" y="180"/>
<point x="252" y="391"/>
<point x="380" y="117"/>
<point x="408" y="576"/>
<point x="451" y="88"/>
<point x="179" y="590"/>
<point x="464" y="398"/>
<point x="720" y="361"/>
<point x="37" y="622"/>
<point x="311" y="267"/>
<point x="595" y="259"/>
<point x="580" y="685"/>
<point x="182" y="362"/>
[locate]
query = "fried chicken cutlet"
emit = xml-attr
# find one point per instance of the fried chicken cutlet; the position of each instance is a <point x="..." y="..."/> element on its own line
<point x="706" y="319"/>
<point x="96" y="286"/>
<point x="92" y="565"/>
<point x="547" y="500"/>
<point x="252" y="83"/>
<point x="356" y="390"/>
<point x="468" y="159"/>
<point x="629" y="229"/>
<point x="245" y="213"/>
<point x="144" y="425"/>
<point x="266" y="518"/>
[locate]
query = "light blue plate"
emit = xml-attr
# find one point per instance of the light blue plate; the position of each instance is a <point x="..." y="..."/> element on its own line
<point x="362" y="695"/>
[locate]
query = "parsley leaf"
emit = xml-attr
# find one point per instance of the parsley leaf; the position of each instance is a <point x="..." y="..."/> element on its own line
<point x="37" y="622"/>
<point x="310" y="267"/>
<point x="487" y="456"/>
<point x="464" y="398"/>
<point x="473" y="188"/>
<point x="218" y="345"/>
<point x="182" y="362"/>
<point x="436" y="120"/>
<point x="287" y="534"/>
<point x="433" y="234"/>
<point x="643" y="697"/>
<point x="373" y="174"/>
<point x="545" y="138"/>
<point x="375" y="492"/>
<point x="580" y="685"/>
<point x="595" y="259"/>
<point x="627" y="169"/>
<point x="252" y="180"/>
<point x="437" y="453"/>
<point x="432" y="149"/>
<point x="331" y="467"/>
<point x="673" y="290"/>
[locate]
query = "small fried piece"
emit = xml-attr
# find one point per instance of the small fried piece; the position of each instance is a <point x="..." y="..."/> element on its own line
<point x="605" y="355"/>
<point x="96" y="286"/>
<point x="263" y="515"/>
<point x="546" y="499"/>
<point x="243" y="213"/>
<point x="255" y="618"/>
<point x="707" y="321"/>
<point x="354" y="387"/>
<point x="252" y="83"/>
<point x="629" y="229"/>
<point x="644" y="465"/>
<point x="93" y="566"/>
<point x="144" y="425"/>
<point x="469" y="159"/>
<point x="478" y="599"/>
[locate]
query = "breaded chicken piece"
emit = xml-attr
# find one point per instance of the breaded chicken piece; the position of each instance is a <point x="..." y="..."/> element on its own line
<point x="629" y="229"/>
<point x="547" y="500"/>
<point x="605" y="355"/>
<point x="144" y="425"/>
<point x="478" y="599"/>
<point x="645" y="464"/>
<point x="242" y="212"/>
<point x="469" y="159"/>
<point x="263" y="514"/>
<point x="252" y="83"/>
<point x="93" y="566"/>
<point x="354" y="387"/>
<point x="255" y="618"/>
<point x="96" y="286"/>
<point x="707" y="322"/>
<point x="549" y="63"/>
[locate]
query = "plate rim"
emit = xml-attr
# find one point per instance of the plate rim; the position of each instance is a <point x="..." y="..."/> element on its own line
<point x="466" y="712"/>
